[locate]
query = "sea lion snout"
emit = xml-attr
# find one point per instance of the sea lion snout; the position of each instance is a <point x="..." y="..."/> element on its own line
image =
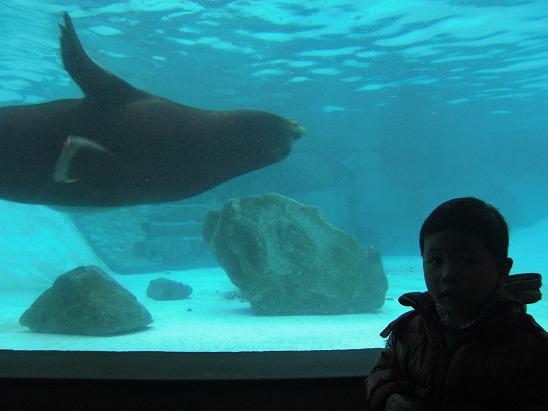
<point x="296" y="129"/>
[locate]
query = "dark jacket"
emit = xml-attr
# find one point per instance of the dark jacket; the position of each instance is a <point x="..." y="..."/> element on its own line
<point x="498" y="363"/>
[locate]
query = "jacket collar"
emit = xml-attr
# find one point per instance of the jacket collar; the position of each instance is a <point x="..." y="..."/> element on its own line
<point x="517" y="288"/>
<point x="516" y="291"/>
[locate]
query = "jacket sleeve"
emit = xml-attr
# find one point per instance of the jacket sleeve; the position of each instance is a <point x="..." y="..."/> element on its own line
<point x="386" y="377"/>
<point x="529" y="381"/>
<point x="383" y="379"/>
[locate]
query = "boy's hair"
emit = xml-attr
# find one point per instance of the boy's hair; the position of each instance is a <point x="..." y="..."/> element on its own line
<point x="474" y="216"/>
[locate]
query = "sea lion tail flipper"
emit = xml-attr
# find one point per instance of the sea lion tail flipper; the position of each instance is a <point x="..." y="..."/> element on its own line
<point x="97" y="84"/>
<point x="65" y="170"/>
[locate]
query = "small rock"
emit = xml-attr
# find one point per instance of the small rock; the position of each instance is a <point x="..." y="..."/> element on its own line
<point x="165" y="289"/>
<point x="232" y="295"/>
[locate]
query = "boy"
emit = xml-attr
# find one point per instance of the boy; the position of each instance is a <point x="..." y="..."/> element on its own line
<point x="468" y="345"/>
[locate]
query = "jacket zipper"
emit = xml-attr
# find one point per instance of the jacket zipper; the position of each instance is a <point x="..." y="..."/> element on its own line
<point x="440" y="384"/>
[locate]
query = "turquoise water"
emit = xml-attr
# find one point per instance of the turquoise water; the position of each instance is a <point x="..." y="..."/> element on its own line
<point x="405" y="104"/>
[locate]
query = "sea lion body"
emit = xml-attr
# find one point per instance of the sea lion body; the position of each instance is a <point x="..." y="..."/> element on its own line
<point x="120" y="146"/>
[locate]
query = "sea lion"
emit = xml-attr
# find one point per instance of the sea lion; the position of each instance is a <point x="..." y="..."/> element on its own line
<point x="121" y="146"/>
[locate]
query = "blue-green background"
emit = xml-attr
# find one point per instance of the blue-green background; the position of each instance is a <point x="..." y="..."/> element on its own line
<point x="406" y="103"/>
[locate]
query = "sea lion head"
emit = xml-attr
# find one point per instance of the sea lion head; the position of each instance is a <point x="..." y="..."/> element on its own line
<point x="268" y="137"/>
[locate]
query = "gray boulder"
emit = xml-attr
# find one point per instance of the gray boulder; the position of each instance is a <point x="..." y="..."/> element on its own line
<point x="287" y="259"/>
<point x="86" y="301"/>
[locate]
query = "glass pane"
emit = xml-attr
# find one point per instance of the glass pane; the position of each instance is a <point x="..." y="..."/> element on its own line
<point x="403" y="105"/>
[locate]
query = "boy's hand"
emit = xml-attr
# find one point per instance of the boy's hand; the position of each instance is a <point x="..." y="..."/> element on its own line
<point x="396" y="402"/>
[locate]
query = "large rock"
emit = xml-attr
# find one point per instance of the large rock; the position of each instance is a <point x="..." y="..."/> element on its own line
<point x="86" y="301"/>
<point x="287" y="259"/>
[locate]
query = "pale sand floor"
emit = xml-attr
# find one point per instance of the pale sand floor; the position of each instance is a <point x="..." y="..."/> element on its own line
<point x="209" y="323"/>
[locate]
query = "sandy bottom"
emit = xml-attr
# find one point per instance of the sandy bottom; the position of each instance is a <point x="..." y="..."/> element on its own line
<point x="207" y="322"/>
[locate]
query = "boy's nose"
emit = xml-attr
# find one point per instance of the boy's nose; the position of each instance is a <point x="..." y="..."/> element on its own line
<point x="450" y="272"/>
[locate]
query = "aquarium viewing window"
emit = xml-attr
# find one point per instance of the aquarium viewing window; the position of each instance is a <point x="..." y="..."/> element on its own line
<point x="145" y="239"/>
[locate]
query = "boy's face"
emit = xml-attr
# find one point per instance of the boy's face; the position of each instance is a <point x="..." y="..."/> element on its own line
<point x="459" y="272"/>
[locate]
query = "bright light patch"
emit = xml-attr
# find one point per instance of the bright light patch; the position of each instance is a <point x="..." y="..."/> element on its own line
<point x="372" y="87"/>
<point x="458" y="101"/>
<point x="344" y="51"/>
<point x="105" y="30"/>
<point x="326" y="71"/>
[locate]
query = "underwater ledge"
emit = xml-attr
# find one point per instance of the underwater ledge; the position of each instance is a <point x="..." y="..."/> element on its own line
<point x="192" y="366"/>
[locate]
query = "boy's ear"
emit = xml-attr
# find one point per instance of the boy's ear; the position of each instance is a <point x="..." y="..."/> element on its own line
<point x="505" y="267"/>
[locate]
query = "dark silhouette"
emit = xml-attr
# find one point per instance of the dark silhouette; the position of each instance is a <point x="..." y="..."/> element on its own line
<point x="120" y="145"/>
<point x="468" y="343"/>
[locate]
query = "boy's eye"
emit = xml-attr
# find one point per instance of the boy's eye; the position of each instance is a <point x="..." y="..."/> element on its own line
<point x="468" y="260"/>
<point x="434" y="261"/>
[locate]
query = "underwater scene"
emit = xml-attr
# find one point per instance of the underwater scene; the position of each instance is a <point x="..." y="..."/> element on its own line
<point x="244" y="175"/>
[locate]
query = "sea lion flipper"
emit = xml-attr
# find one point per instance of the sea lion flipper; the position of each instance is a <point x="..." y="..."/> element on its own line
<point x="65" y="169"/>
<point x="97" y="84"/>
